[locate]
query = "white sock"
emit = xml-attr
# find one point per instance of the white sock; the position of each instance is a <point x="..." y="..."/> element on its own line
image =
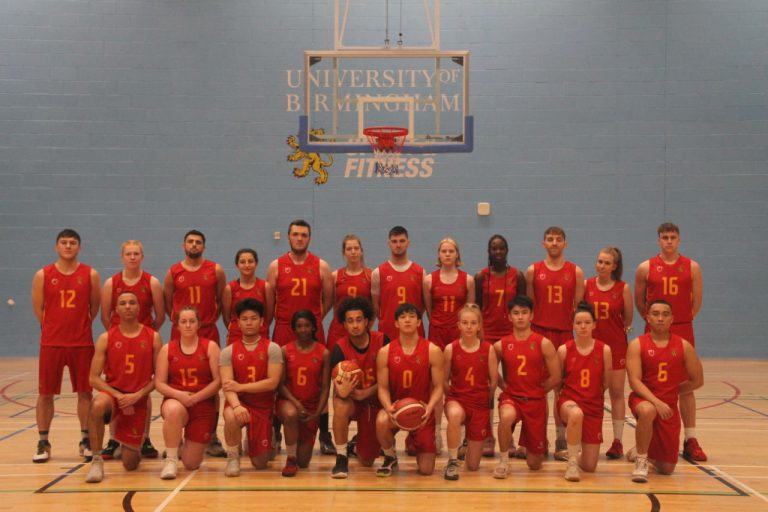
<point x="689" y="432"/>
<point x="618" y="429"/>
<point x="232" y="451"/>
<point x="172" y="453"/>
<point x="290" y="450"/>
<point x="573" y="450"/>
<point x="389" y="452"/>
<point x="341" y="449"/>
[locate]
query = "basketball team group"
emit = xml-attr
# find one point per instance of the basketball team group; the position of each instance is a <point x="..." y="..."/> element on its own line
<point x="502" y="339"/>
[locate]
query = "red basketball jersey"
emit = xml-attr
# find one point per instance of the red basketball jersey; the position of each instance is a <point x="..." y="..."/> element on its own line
<point x="470" y="379"/>
<point x="66" y="307"/>
<point x="367" y="360"/>
<point x="409" y="375"/>
<point x="609" y="312"/>
<point x="258" y="292"/>
<point x="524" y="367"/>
<point x="583" y="377"/>
<point x="397" y="288"/>
<point x="347" y="286"/>
<point x="496" y="292"/>
<point x="198" y="289"/>
<point x="673" y="283"/>
<point x="447" y="300"/>
<point x="189" y="372"/>
<point x="299" y="286"/>
<point x="252" y="366"/>
<point x="129" y="364"/>
<point x="663" y="367"/>
<point x="143" y="290"/>
<point x="304" y="373"/>
<point x="554" y="290"/>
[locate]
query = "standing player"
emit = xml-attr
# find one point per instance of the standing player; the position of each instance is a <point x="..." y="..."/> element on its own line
<point x="585" y="364"/>
<point x="611" y="300"/>
<point x="198" y="282"/>
<point x="187" y="375"/>
<point x="409" y="367"/>
<point x="472" y="371"/>
<point x="555" y="286"/>
<point x="301" y="280"/>
<point x="395" y="282"/>
<point x="65" y="300"/>
<point x="149" y="293"/>
<point x="247" y="285"/>
<point x="352" y="280"/>
<point x="126" y="355"/>
<point x="495" y="286"/>
<point x="676" y="279"/>
<point x="303" y="391"/>
<point x="250" y="371"/>
<point x="351" y="402"/>
<point x="530" y="366"/>
<point x="662" y="367"/>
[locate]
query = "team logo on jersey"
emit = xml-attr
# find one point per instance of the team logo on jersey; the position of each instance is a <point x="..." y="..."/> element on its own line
<point x="180" y="279"/>
<point x="510" y="346"/>
<point x="397" y="359"/>
<point x="205" y="277"/>
<point x="143" y="290"/>
<point x="651" y="352"/>
<point x="674" y="353"/>
<point x="287" y="270"/>
<point x="389" y="279"/>
<point x="418" y="360"/>
<point x="309" y="271"/>
<point x="542" y="276"/>
<point x="261" y="355"/>
<point x="567" y="277"/>
<point x="202" y="358"/>
<point x="680" y="268"/>
<point x="292" y="357"/>
<point x="174" y="359"/>
<point x="614" y="296"/>
<point x="315" y="360"/>
<point x="533" y="346"/>
<point x="119" y="344"/>
<point x="659" y="268"/>
<point x="264" y="443"/>
<point x="623" y="362"/>
<point x="54" y="281"/>
<point x="482" y="359"/>
<point x="240" y="357"/>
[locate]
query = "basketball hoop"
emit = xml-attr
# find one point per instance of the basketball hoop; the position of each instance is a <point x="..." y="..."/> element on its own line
<point x="387" y="143"/>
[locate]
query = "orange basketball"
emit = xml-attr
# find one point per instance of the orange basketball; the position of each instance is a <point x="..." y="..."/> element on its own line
<point x="346" y="370"/>
<point x="408" y="413"/>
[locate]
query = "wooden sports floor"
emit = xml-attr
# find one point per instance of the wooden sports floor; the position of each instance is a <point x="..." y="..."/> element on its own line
<point x="732" y="428"/>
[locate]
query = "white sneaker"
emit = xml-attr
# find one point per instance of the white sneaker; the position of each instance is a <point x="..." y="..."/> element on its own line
<point x="169" y="470"/>
<point x="96" y="473"/>
<point x="501" y="471"/>
<point x="640" y="474"/>
<point x="572" y="471"/>
<point x="233" y="466"/>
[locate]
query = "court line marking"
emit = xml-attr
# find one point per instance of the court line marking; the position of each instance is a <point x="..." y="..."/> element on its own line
<point x="176" y="491"/>
<point x="59" y="478"/>
<point x="749" y="409"/>
<point x="655" y="503"/>
<point x="742" y="484"/>
<point x="4" y="395"/>
<point x="127" y="505"/>
<point x="17" y="432"/>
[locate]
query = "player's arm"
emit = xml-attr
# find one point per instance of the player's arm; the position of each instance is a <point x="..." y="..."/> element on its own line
<point x="376" y="293"/>
<point x="38" y="300"/>
<point x="158" y="302"/>
<point x="228" y="375"/>
<point x="382" y="380"/>
<point x="635" y="378"/>
<point x="325" y="383"/>
<point x="697" y="288"/>
<point x="693" y="368"/>
<point x="493" y="370"/>
<point x="436" y="369"/>
<point x="629" y="309"/>
<point x="161" y="380"/>
<point x="269" y="304"/>
<point x="95" y="379"/>
<point x="470" y="288"/>
<point x="553" y="365"/>
<point x="221" y="282"/>
<point x="168" y="294"/>
<point x="479" y="280"/>
<point x="561" y="355"/>
<point x="95" y="298"/>
<point x="501" y="383"/>
<point x="521" y="283"/>
<point x="327" y="283"/>
<point x="106" y="303"/>
<point x="447" y="358"/>
<point x="529" y="291"/>
<point x="578" y="293"/>
<point x="641" y="284"/>
<point x="607" y="366"/>
<point x="426" y="291"/>
<point x="213" y="387"/>
<point x="226" y="305"/>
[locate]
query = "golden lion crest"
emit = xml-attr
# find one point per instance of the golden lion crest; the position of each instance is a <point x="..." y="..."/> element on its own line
<point x="309" y="161"/>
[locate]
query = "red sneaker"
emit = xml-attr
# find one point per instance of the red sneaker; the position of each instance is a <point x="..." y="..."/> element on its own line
<point x="616" y="451"/>
<point x="291" y="467"/>
<point x="693" y="451"/>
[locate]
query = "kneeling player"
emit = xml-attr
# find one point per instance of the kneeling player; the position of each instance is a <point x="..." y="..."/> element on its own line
<point x="303" y="392"/>
<point x="473" y="372"/>
<point x="409" y="367"/>
<point x="354" y="400"/>
<point x="661" y="367"/>
<point x="529" y="363"/>
<point x="251" y="369"/>
<point x="126" y="354"/>
<point x="586" y="365"/>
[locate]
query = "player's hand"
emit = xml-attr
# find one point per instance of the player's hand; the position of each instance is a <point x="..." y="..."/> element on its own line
<point x="128" y="411"/>
<point x="127" y="400"/>
<point x="242" y="415"/>
<point x="664" y="411"/>
<point x="345" y="386"/>
<point x="231" y="385"/>
<point x="187" y="399"/>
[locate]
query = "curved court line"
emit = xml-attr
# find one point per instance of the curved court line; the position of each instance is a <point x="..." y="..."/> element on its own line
<point x="127" y="506"/>
<point x="655" y="504"/>
<point x="4" y="396"/>
<point x="736" y="394"/>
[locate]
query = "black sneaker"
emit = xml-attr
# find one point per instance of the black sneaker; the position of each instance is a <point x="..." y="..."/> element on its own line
<point x="352" y="447"/>
<point x="147" y="450"/>
<point x="43" y="452"/>
<point x="341" y="469"/>
<point x="108" y="453"/>
<point x="326" y="444"/>
<point x="388" y="467"/>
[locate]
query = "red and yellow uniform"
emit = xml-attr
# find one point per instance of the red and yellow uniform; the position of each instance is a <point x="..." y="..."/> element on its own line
<point x="609" y="315"/>
<point x="298" y="286"/>
<point x="583" y="377"/>
<point x="258" y="292"/>
<point x="198" y="289"/>
<point x="447" y="300"/>
<point x="553" y="306"/>
<point x="347" y="286"/>
<point x="469" y="386"/>
<point x="496" y="292"/>
<point x="410" y="377"/>
<point x="673" y="283"/>
<point x="304" y="379"/>
<point x="143" y="291"/>
<point x="397" y="288"/>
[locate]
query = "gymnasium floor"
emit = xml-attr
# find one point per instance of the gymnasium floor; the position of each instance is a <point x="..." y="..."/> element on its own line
<point x="732" y="427"/>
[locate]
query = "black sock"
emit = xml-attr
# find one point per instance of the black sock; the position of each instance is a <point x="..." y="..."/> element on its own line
<point x="323" y="421"/>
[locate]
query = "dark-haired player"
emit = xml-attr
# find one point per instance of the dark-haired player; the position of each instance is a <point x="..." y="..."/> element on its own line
<point x="244" y="287"/>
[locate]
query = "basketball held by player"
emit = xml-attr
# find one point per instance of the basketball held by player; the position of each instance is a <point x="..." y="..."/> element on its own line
<point x="352" y="280"/>
<point x="248" y="285"/>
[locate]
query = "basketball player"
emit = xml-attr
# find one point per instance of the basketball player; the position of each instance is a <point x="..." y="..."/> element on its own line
<point x="126" y="355"/>
<point x="305" y="386"/>
<point x="408" y="367"/>
<point x="247" y="285"/>
<point x="251" y="369"/>
<point x="301" y="280"/>
<point x="661" y="367"/>
<point x="611" y="300"/>
<point x="585" y="364"/>
<point x="530" y="367"/>
<point x="350" y="402"/>
<point x="555" y="286"/>
<point x="187" y="375"/>
<point x="65" y="300"/>
<point x="149" y="293"/>
<point x="495" y="286"/>
<point x="395" y="282"/>
<point x="199" y="282"/>
<point x="352" y="280"/>
<point x="472" y="370"/>
<point x="676" y="279"/>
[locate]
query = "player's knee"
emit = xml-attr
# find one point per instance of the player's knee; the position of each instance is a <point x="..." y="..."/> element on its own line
<point x="665" y="468"/>
<point x="367" y="463"/>
<point x="130" y="464"/>
<point x="473" y="466"/>
<point x="575" y="416"/>
<point x="589" y="466"/>
<point x="427" y="469"/>
<point x="534" y="462"/>
<point x="259" y="462"/>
